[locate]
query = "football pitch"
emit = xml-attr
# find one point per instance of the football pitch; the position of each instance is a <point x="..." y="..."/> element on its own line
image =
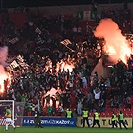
<point x="64" y="130"/>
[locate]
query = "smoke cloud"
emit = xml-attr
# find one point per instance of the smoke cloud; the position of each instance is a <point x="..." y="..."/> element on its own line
<point x="3" y="55"/>
<point x="115" y="43"/>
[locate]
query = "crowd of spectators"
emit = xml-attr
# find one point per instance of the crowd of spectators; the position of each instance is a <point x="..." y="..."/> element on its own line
<point x="38" y="42"/>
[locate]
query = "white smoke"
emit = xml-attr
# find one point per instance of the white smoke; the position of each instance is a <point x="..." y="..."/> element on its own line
<point x="3" y="55"/>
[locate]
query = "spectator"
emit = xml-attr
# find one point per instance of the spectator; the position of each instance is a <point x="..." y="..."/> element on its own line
<point x="79" y="108"/>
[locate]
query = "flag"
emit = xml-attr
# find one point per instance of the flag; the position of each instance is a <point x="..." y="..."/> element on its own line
<point x="86" y="15"/>
<point x="93" y="14"/>
<point x="14" y="40"/>
<point x="21" y="62"/>
<point x="80" y="15"/>
<point x="37" y="30"/>
<point x="14" y="64"/>
<point x="66" y="42"/>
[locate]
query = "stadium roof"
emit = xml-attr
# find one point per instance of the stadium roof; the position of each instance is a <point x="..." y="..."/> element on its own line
<point x="41" y="3"/>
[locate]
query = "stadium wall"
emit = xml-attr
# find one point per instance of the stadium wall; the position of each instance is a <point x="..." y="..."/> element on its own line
<point x="72" y="122"/>
<point x="55" y="10"/>
<point x="45" y="121"/>
<point x="74" y="9"/>
<point x="66" y="122"/>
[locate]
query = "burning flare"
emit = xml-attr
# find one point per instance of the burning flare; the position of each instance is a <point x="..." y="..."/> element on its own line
<point x="115" y="43"/>
<point x="3" y="74"/>
<point x="65" y="65"/>
<point x="3" y="77"/>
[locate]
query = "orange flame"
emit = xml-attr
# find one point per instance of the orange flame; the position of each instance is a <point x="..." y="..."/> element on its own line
<point x="116" y="44"/>
<point x="65" y="66"/>
<point x="3" y="77"/>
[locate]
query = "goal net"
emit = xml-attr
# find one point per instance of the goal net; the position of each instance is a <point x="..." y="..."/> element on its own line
<point x="17" y="110"/>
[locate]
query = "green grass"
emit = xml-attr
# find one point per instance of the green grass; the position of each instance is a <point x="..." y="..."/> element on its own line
<point x="64" y="130"/>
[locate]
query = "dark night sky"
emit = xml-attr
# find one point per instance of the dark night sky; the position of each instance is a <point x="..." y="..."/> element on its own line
<point x="39" y="3"/>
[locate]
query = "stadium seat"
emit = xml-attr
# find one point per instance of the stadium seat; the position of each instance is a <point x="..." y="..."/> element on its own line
<point x="108" y="114"/>
<point x="102" y="114"/>
<point x="91" y="114"/>
<point x="130" y="114"/>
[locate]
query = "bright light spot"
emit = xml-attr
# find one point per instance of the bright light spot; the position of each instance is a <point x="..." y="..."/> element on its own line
<point x="65" y="66"/>
<point x="3" y="76"/>
<point x="115" y="43"/>
<point x="68" y="67"/>
<point x="52" y="92"/>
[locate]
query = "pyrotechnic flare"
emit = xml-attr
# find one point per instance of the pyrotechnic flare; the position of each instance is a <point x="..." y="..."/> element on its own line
<point x="115" y="43"/>
<point x="3" y="73"/>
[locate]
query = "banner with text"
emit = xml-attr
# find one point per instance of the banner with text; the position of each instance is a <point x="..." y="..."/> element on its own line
<point x="104" y="122"/>
<point x="84" y="15"/>
<point x="67" y="122"/>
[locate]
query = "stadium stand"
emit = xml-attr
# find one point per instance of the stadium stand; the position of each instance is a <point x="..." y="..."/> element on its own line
<point x="39" y="44"/>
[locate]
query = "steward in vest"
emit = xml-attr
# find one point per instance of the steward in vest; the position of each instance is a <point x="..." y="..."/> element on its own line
<point x="85" y="117"/>
<point x="96" y="119"/>
<point x="113" y="120"/>
<point x="68" y="113"/>
<point x="121" y="119"/>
